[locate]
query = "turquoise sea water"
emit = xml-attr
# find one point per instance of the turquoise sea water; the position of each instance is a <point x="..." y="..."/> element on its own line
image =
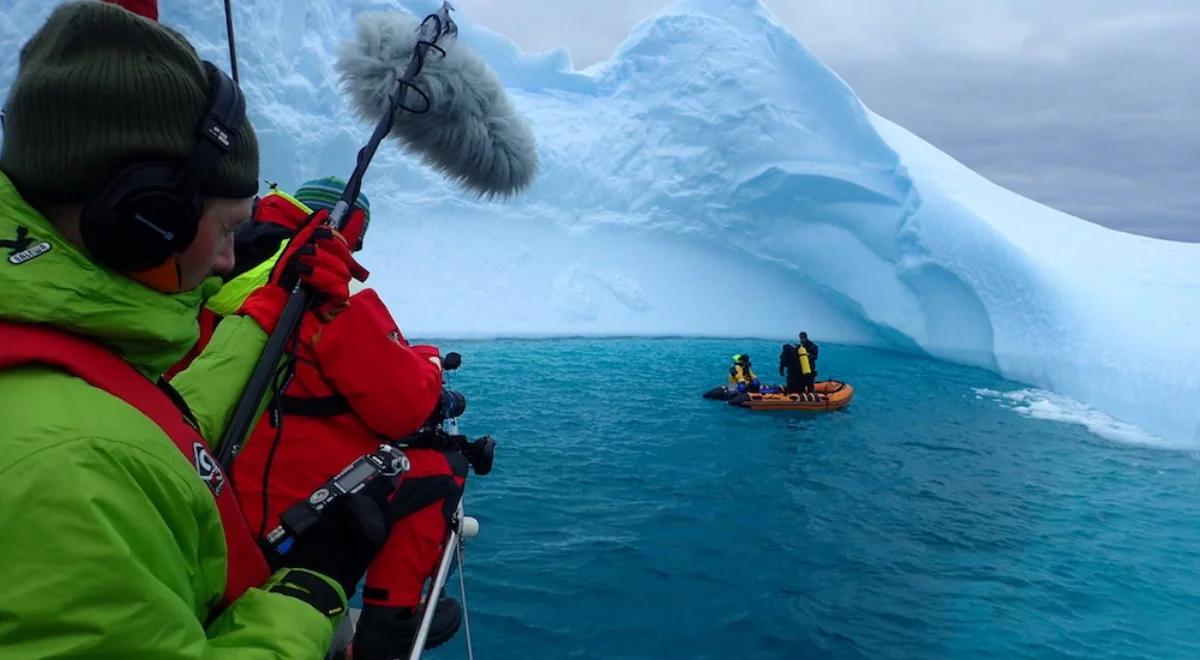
<point x="629" y="518"/>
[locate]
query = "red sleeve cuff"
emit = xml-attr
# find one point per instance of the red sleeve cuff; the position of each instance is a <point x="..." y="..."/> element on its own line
<point x="264" y="306"/>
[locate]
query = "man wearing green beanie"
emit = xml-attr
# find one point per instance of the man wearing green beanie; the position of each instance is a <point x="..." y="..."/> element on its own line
<point x="119" y="533"/>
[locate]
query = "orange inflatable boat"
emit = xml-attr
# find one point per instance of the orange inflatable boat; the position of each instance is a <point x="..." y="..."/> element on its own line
<point x="831" y="395"/>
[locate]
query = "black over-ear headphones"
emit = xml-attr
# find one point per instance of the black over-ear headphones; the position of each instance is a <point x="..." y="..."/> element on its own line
<point x="151" y="210"/>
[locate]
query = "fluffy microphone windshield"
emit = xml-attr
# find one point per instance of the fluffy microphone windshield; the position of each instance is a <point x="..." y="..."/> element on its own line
<point x="471" y="132"/>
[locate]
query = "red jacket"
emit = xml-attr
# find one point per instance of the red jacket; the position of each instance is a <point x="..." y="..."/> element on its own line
<point x="356" y="381"/>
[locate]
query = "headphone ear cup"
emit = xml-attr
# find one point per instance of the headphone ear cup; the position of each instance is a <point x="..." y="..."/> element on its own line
<point x="141" y="219"/>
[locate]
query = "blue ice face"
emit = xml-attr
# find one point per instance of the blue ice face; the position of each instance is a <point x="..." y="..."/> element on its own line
<point x="714" y="178"/>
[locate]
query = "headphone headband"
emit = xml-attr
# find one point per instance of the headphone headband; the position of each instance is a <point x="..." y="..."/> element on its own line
<point x="226" y="111"/>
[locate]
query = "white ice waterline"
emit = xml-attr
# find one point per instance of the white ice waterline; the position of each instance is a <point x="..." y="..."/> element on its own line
<point x="1041" y="404"/>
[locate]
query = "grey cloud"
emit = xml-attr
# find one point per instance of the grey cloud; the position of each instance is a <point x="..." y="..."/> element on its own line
<point x="1087" y="105"/>
<point x="1092" y="119"/>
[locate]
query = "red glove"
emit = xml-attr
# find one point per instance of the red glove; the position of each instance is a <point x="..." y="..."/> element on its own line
<point x="319" y="257"/>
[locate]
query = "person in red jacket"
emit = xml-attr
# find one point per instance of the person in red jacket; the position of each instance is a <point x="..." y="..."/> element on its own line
<point x="357" y="381"/>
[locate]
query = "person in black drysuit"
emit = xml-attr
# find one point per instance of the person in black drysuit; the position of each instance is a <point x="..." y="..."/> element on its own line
<point x="789" y="367"/>
<point x="799" y="382"/>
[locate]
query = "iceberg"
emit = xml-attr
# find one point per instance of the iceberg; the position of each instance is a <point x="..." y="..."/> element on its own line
<point x="714" y="178"/>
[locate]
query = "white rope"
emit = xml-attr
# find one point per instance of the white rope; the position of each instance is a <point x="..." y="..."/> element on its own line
<point x="462" y="587"/>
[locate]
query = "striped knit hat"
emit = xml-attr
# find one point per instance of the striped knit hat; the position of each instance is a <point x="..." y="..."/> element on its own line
<point x="323" y="193"/>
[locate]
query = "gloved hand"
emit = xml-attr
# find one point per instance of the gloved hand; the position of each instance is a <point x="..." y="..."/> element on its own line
<point x="346" y="538"/>
<point x="429" y="352"/>
<point x="319" y="257"/>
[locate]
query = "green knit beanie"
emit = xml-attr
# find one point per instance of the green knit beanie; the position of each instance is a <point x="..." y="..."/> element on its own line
<point x="324" y="193"/>
<point x="100" y="88"/>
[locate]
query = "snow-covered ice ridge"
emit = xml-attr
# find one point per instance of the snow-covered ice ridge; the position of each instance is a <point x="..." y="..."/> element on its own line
<point x="714" y="178"/>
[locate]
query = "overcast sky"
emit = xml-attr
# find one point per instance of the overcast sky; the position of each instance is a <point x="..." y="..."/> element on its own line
<point x="1090" y="106"/>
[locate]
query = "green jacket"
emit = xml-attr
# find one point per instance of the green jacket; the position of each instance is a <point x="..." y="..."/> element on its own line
<point x="110" y="545"/>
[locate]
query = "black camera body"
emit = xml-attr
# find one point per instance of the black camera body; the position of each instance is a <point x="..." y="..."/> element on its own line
<point x="480" y="452"/>
<point x="452" y="405"/>
<point x="440" y="430"/>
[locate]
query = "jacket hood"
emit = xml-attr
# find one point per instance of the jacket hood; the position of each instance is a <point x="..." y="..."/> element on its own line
<point x="46" y="279"/>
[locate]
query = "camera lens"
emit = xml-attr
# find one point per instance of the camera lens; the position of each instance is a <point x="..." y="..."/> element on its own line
<point x="454" y="404"/>
<point x="480" y="454"/>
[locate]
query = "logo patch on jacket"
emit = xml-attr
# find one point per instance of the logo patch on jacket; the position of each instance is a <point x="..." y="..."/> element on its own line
<point x="24" y="248"/>
<point x="206" y="466"/>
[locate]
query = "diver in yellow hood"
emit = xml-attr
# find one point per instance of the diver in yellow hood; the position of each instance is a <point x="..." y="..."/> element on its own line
<point x="742" y="375"/>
